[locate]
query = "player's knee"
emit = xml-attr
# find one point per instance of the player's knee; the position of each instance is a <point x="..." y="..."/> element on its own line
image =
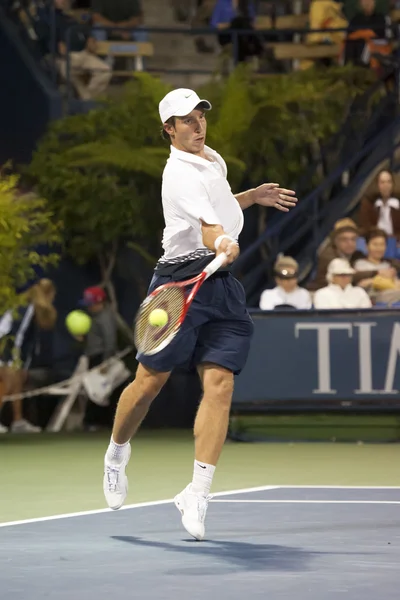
<point x="218" y="384"/>
<point x="149" y="383"/>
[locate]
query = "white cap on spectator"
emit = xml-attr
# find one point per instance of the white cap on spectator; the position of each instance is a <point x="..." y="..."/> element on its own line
<point x="339" y="266"/>
<point x="180" y="103"/>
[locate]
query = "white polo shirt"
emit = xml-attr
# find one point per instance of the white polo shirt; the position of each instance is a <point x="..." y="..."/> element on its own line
<point x="193" y="190"/>
<point x="333" y="296"/>
<point x="299" y="298"/>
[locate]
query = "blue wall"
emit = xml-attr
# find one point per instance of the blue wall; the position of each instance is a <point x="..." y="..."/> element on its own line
<point x="324" y="359"/>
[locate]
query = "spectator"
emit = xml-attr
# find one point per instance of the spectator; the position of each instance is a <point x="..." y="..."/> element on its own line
<point x="19" y="335"/>
<point x="202" y="19"/>
<point x="118" y="13"/>
<point x="366" y="25"/>
<point x="382" y="212"/>
<point x="340" y="293"/>
<point x="237" y="14"/>
<point x="287" y="293"/>
<point x="326" y="14"/>
<point x="343" y="244"/>
<point x="378" y="276"/>
<point x="82" y="51"/>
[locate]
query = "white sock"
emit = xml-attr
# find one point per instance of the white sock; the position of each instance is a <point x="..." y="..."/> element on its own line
<point x="202" y="477"/>
<point x="116" y="452"/>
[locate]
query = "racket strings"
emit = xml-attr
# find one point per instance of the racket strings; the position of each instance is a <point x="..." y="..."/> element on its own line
<point x="148" y="338"/>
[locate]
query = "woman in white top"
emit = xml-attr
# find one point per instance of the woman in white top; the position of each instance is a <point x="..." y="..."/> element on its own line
<point x="383" y="209"/>
<point x="287" y="292"/>
<point x="340" y="293"/>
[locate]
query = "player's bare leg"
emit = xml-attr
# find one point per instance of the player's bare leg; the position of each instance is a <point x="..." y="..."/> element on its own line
<point x="212" y="420"/>
<point x="132" y="408"/>
<point x="210" y="430"/>
<point x="135" y="402"/>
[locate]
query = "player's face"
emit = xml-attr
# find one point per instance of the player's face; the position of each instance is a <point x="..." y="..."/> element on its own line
<point x="189" y="133"/>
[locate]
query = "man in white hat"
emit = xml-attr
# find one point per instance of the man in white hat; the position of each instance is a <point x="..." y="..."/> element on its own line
<point x="202" y="219"/>
<point x="340" y="293"/>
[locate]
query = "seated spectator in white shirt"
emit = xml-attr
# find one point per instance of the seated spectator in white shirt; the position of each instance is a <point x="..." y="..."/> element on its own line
<point x="287" y="292"/>
<point x="340" y="293"/>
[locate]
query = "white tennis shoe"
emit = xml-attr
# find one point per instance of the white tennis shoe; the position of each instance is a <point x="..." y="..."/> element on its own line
<point x="115" y="482"/>
<point x="193" y="508"/>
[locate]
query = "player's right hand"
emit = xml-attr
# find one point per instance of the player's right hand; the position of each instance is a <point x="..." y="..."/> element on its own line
<point x="231" y="250"/>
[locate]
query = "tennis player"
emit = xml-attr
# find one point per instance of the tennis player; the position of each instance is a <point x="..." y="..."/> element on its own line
<point x="202" y="219"/>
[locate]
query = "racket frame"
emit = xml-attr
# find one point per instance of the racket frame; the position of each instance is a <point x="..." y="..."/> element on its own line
<point x="197" y="282"/>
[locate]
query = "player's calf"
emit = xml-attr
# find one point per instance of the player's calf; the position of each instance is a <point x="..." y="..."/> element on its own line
<point x="132" y="407"/>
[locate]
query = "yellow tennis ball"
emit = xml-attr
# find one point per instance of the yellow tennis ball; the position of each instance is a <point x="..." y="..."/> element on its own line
<point x="78" y="322"/>
<point x="158" y="317"/>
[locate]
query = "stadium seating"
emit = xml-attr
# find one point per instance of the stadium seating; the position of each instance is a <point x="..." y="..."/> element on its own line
<point x="125" y="49"/>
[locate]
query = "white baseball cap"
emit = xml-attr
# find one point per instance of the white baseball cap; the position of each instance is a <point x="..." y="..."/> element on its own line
<point x="180" y="103"/>
<point x="339" y="266"/>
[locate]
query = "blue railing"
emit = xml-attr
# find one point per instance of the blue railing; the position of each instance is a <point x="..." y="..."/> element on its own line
<point x="311" y="221"/>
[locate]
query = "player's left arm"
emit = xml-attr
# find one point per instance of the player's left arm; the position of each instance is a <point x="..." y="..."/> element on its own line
<point x="268" y="194"/>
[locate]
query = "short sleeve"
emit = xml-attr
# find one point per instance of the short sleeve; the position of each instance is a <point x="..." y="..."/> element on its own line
<point x="189" y="199"/>
<point x="365" y="300"/>
<point x="267" y="300"/>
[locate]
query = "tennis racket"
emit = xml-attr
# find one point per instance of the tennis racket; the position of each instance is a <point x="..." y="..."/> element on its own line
<point x="175" y="299"/>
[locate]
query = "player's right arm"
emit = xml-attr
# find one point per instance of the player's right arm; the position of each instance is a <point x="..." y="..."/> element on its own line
<point x="191" y="201"/>
<point x="215" y="238"/>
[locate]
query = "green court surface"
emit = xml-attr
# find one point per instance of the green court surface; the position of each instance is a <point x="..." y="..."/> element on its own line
<point x="49" y="474"/>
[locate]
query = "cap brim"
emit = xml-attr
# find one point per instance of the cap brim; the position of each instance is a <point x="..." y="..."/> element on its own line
<point x="286" y="273"/>
<point x="188" y="106"/>
<point x="344" y="273"/>
<point x="84" y="302"/>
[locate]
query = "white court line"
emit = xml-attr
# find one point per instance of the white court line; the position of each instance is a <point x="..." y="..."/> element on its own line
<point x="308" y="501"/>
<point x="340" y="487"/>
<point x="262" y="488"/>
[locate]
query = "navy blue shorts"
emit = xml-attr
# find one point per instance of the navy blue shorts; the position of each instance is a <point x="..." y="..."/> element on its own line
<point x="217" y="328"/>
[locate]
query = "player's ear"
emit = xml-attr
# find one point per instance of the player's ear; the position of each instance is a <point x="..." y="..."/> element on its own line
<point x="169" y="126"/>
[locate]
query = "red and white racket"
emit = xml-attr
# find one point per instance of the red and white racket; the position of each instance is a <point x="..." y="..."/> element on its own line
<point x="174" y="299"/>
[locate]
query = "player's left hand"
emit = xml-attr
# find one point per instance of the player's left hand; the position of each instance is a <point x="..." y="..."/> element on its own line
<point x="270" y="194"/>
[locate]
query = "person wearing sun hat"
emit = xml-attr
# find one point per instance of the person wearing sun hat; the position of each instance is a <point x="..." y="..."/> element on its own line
<point x="287" y="291"/>
<point x="342" y="244"/>
<point x="340" y="293"/>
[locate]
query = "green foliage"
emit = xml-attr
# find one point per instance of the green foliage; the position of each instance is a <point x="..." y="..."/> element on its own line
<point x="101" y="171"/>
<point x="25" y="223"/>
<point x="272" y="123"/>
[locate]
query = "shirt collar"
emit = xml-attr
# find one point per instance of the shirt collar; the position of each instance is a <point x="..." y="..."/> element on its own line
<point x="392" y="203"/>
<point x="336" y="287"/>
<point x="193" y="158"/>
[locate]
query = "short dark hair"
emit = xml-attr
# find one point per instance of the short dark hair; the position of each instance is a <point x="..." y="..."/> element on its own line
<point x="164" y="134"/>
<point x="385" y="171"/>
<point x="375" y="233"/>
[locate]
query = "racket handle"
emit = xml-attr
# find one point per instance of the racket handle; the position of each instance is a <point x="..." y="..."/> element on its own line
<point x="215" y="264"/>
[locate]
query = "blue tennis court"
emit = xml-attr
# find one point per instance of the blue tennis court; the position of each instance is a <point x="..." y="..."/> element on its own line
<point x="300" y="543"/>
